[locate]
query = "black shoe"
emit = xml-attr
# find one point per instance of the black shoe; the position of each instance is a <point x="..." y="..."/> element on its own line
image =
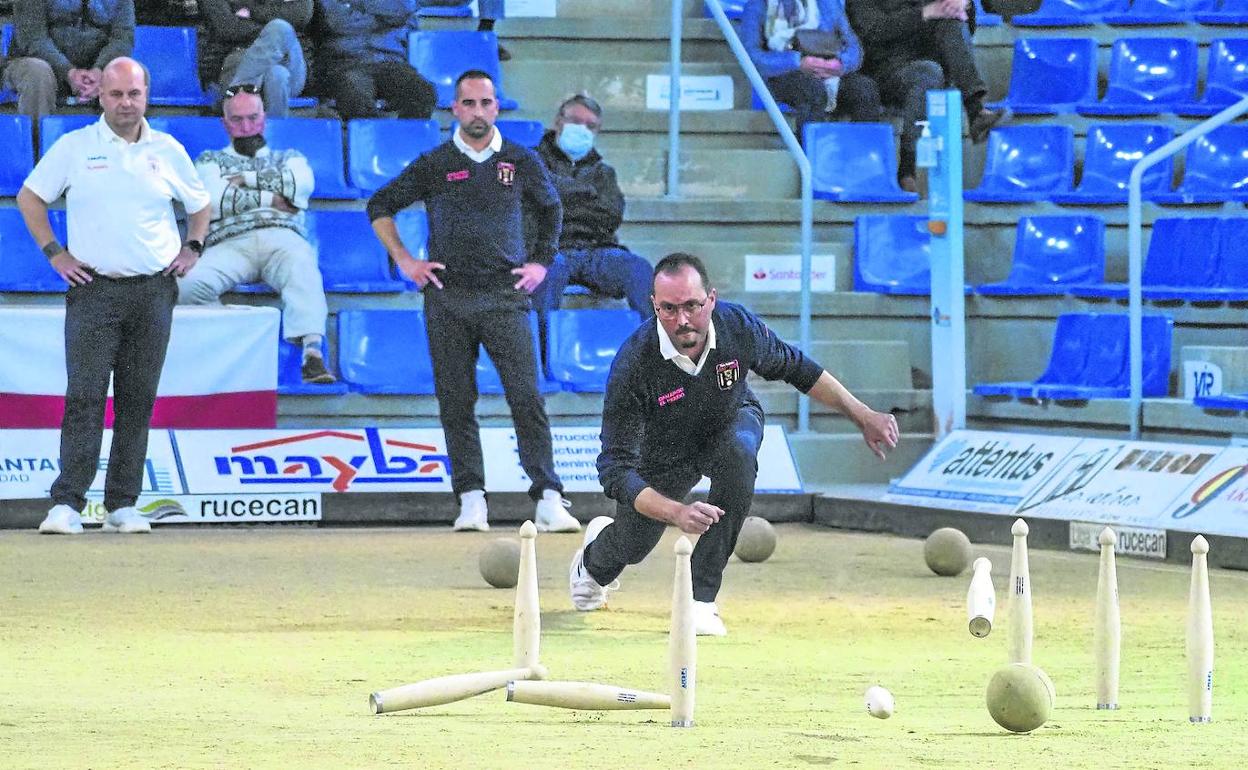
<point x="503" y="53"/>
<point x="987" y="120"/>
<point x="908" y="183"/>
<point x="315" y="373"/>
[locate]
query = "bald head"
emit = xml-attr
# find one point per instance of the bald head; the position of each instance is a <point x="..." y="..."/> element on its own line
<point x="123" y="96"/>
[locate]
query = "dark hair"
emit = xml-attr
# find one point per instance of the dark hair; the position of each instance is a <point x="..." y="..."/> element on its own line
<point x="585" y="100"/>
<point x="672" y="264"/>
<point x="472" y="75"/>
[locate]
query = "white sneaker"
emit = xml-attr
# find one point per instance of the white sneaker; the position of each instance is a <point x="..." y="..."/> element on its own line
<point x="587" y="595"/>
<point x="61" y="520"/>
<point x="473" y="514"/>
<point x="127" y="521"/>
<point x="706" y="620"/>
<point x="552" y="514"/>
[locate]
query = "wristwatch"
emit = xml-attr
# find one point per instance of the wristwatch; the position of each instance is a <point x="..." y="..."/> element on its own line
<point x="195" y="246"/>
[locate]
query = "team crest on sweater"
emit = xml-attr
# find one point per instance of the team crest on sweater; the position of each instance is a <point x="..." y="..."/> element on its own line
<point x="727" y="374"/>
<point x="506" y="173"/>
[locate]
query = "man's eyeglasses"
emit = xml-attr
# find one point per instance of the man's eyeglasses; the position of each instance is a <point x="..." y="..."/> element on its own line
<point x="241" y="88"/>
<point x="690" y="308"/>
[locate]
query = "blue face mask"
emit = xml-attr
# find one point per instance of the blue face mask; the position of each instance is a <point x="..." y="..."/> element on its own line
<point x="576" y="140"/>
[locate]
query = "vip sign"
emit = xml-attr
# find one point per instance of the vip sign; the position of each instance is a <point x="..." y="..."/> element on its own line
<point x="30" y="462"/>
<point x="1201" y="378"/>
<point x="783" y="272"/>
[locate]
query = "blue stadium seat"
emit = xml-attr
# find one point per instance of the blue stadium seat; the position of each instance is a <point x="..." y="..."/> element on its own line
<point x="1026" y="163"/>
<point x="1111" y="152"/>
<point x="1226" y="78"/>
<point x="443" y="55"/>
<point x="1215" y="169"/>
<point x="196" y="133"/>
<point x="1227" y="12"/>
<point x="290" y="375"/>
<point x="581" y="344"/>
<point x="1232" y="273"/>
<point x="1147" y="76"/>
<point x="380" y="148"/>
<point x="350" y="256"/>
<point x="22" y="265"/>
<point x="384" y="351"/>
<point x="525" y="132"/>
<point x="1050" y="75"/>
<point x="53" y="127"/>
<point x="170" y="55"/>
<point x="854" y="162"/>
<point x="488" y="380"/>
<point x="732" y="9"/>
<point x="1183" y="263"/>
<point x="1070" y="13"/>
<point x="892" y="254"/>
<point x="1147" y="12"/>
<point x="1090" y="360"/>
<point x="320" y="140"/>
<point x="17" y="152"/>
<point x="1051" y="254"/>
<point x="413" y="226"/>
<point x="1229" y="401"/>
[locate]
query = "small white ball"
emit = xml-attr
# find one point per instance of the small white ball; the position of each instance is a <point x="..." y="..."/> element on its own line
<point x="879" y="702"/>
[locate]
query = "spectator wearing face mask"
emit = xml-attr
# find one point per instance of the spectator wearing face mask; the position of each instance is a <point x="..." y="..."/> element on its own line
<point x="589" y="255"/>
<point x="257" y="232"/>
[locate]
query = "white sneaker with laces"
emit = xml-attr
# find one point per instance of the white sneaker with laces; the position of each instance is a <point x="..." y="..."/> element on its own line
<point x="127" y="521"/>
<point x="61" y="520"/>
<point x="473" y="514"/>
<point x="706" y="620"/>
<point x="552" y="514"/>
<point x="587" y="595"/>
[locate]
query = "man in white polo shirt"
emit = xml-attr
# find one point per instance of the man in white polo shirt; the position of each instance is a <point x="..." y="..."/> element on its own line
<point x="120" y="179"/>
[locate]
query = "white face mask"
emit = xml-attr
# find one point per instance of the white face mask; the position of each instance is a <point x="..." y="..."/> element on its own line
<point x="576" y="140"/>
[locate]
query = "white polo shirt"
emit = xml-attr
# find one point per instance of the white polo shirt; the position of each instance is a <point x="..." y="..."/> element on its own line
<point x="668" y="349"/>
<point x="119" y="196"/>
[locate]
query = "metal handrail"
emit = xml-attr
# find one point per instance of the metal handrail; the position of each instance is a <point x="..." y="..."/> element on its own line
<point x="1135" y="259"/>
<point x="786" y="135"/>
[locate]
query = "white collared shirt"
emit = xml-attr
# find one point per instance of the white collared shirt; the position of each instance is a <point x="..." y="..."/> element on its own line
<point x="479" y="156"/>
<point x="119" y="195"/>
<point x="687" y="365"/>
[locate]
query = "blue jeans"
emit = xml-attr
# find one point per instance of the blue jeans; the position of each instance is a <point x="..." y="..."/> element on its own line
<point x="275" y="62"/>
<point x="612" y="271"/>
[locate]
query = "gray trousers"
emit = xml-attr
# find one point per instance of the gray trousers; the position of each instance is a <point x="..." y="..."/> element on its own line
<point x="274" y="61"/>
<point x="118" y="327"/>
<point x="35" y="83"/>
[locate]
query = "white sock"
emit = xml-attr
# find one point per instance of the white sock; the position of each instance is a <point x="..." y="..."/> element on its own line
<point x="550" y="494"/>
<point x="472" y="494"/>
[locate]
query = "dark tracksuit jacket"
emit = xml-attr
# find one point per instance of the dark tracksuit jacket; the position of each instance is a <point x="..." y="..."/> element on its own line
<point x="593" y="206"/>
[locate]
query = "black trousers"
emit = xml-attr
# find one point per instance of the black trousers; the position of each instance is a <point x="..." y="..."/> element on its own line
<point x="857" y="99"/>
<point x="947" y="57"/>
<point x="118" y="326"/>
<point x="459" y="323"/>
<point x="356" y="88"/>
<point x="730" y="460"/>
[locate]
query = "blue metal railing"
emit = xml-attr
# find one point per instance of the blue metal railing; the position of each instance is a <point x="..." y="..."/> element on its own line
<point x="786" y="135"/>
<point x="1135" y="259"/>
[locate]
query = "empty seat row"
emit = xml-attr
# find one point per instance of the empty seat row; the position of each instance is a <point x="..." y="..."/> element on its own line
<point x="1198" y="259"/>
<point x="1090" y="360"/>
<point x="1147" y="76"/>
<point x="377" y="149"/>
<point x="387" y="352"/>
<point x="1076" y="13"/>
<point x="1035" y="163"/>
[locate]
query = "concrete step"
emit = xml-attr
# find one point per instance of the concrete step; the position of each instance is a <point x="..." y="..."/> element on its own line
<point x="865" y="364"/>
<point x="618" y="38"/>
<point x="615" y="84"/>
<point x="830" y="459"/>
<point x="709" y="173"/>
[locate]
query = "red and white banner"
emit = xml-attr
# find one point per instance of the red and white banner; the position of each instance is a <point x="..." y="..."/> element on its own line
<point x="220" y="370"/>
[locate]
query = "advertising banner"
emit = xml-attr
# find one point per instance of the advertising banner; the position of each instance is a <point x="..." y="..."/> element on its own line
<point x="216" y="509"/>
<point x="30" y="462"/>
<point x="1216" y="500"/>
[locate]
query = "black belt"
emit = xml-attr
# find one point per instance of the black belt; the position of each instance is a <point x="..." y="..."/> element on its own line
<point x="125" y="278"/>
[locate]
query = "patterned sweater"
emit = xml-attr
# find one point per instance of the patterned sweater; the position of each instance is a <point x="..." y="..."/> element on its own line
<point x="242" y="190"/>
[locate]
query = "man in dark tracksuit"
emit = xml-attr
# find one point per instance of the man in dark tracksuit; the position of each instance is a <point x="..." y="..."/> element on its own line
<point x="477" y="283"/>
<point x="915" y="46"/>
<point x="678" y="408"/>
<point x="593" y="207"/>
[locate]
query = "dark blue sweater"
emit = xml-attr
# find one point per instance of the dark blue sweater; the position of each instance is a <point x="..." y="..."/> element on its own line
<point x="476" y="223"/>
<point x="657" y="417"/>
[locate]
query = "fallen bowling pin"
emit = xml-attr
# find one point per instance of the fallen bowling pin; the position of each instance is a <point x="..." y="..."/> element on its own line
<point x="585" y="696"/>
<point x="448" y="689"/>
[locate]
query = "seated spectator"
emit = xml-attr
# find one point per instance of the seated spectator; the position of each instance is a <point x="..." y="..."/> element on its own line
<point x="817" y="74"/>
<point x="361" y="54"/>
<point x="257" y="230"/>
<point x="914" y="46"/>
<point x="256" y="42"/>
<point x="593" y="207"/>
<point x="60" y="48"/>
